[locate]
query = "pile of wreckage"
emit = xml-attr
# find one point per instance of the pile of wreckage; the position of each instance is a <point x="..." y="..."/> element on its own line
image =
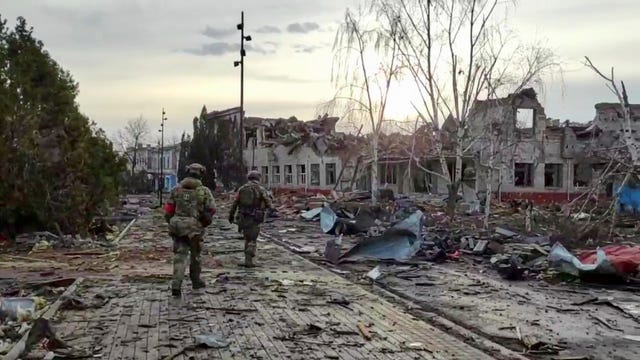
<point x="26" y="311"/>
<point x="406" y="230"/>
<point x="104" y="231"/>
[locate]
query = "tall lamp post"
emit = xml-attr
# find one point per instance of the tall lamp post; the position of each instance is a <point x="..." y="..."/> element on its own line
<point x="161" y="182"/>
<point x="240" y="63"/>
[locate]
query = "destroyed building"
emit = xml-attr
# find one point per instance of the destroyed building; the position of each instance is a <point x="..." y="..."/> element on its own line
<point x="534" y="157"/>
<point x="313" y="156"/>
<point x="293" y="154"/>
<point x="539" y="158"/>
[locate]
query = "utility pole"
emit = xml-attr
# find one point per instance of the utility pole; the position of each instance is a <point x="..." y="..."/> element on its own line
<point x="240" y="63"/>
<point x="161" y="182"/>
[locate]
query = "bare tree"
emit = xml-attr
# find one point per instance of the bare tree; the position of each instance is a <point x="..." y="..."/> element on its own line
<point x="631" y="144"/>
<point x="366" y="65"/>
<point x="456" y="52"/>
<point x="131" y="138"/>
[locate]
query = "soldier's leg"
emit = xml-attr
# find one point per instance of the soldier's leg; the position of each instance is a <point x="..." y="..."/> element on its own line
<point x="251" y="233"/>
<point x="180" y="258"/>
<point x="195" y="266"/>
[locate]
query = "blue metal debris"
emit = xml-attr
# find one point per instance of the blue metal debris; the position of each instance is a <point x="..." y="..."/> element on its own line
<point x="328" y="219"/>
<point x="400" y="242"/>
<point x="311" y="214"/>
<point x="629" y="199"/>
<point x="565" y="262"/>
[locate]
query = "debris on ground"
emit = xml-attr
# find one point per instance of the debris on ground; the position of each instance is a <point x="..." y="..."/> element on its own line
<point x="610" y="264"/>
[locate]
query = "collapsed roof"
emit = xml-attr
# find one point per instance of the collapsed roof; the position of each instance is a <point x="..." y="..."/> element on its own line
<point x="321" y="136"/>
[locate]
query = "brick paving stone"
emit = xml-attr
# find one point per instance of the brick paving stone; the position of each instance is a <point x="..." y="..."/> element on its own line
<point x="262" y="312"/>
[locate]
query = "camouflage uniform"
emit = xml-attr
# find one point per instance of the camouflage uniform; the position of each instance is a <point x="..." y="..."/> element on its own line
<point x="188" y="211"/>
<point x="249" y="219"/>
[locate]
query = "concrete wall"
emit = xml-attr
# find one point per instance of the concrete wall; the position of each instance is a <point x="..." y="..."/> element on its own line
<point x="538" y="146"/>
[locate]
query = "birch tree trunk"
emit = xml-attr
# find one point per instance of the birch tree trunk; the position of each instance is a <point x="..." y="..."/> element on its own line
<point x="487" y="204"/>
<point x="374" y="170"/>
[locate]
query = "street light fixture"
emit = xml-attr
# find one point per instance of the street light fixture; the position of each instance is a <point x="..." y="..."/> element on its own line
<point x="240" y="63"/>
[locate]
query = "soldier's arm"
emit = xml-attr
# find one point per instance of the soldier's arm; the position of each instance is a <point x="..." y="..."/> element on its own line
<point x="267" y="199"/>
<point x="209" y="202"/>
<point x="234" y="208"/>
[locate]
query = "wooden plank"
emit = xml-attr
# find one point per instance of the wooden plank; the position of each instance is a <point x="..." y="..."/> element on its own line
<point x="141" y="348"/>
<point x="152" y="341"/>
<point x="247" y="320"/>
<point x="240" y="343"/>
<point x="47" y="313"/>
<point x="124" y="232"/>
<point x="120" y="334"/>
<point x="317" y="352"/>
<point x="343" y="352"/>
<point x="164" y="335"/>
<point x="132" y="329"/>
<point x="267" y="330"/>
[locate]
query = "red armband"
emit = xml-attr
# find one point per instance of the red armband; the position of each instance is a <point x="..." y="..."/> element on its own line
<point x="213" y="211"/>
<point x="169" y="209"/>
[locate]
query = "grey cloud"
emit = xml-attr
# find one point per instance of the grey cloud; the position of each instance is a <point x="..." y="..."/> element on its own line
<point x="268" y="29"/>
<point x="217" y="33"/>
<point x="306" y="48"/>
<point x="303" y="28"/>
<point x="222" y="48"/>
<point x="215" y="49"/>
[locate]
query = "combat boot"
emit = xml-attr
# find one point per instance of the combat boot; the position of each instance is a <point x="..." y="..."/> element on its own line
<point x="198" y="284"/>
<point x="248" y="261"/>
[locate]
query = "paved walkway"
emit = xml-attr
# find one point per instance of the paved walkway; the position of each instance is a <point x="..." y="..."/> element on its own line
<point x="288" y="308"/>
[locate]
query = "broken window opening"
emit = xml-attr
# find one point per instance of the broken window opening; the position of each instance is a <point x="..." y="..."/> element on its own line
<point x="275" y="178"/>
<point x="265" y="174"/>
<point x="288" y="174"/>
<point x="524" y="118"/>
<point x="388" y="174"/>
<point x="250" y="137"/>
<point x="301" y="171"/>
<point x="523" y="175"/>
<point x="582" y="175"/>
<point x="553" y="175"/>
<point x="315" y="174"/>
<point x="269" y="134"/>
<point x="330" y="173"/>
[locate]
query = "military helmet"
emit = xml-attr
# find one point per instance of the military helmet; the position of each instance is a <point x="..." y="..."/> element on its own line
<point x="197" y="169"/>
<point x="254" y="175"/>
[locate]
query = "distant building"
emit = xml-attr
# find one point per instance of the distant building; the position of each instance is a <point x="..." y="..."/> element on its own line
<point x="148" y="160"/>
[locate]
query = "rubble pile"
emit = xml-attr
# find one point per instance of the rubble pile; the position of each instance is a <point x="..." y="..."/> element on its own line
<point x="508" y="248"/>
<point x="103" y="231"/>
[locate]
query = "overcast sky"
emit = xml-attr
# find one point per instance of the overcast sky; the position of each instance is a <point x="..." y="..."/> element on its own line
<point x="133" y="57"/>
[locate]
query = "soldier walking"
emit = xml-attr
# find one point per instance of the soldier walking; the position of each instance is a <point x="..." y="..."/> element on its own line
<point x="188" y="212"/>
<point x="248" y="211"/>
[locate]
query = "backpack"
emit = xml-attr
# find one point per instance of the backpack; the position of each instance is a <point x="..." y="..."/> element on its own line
<point x="187" y="203"/>
<point x="248" y="196"/>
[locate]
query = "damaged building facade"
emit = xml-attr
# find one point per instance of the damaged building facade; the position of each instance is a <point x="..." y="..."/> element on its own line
<point x="532" y="156"/>
<point x="312" y="155"/>
<point x="538" y="158"/>
<point x="292" y="154"/>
